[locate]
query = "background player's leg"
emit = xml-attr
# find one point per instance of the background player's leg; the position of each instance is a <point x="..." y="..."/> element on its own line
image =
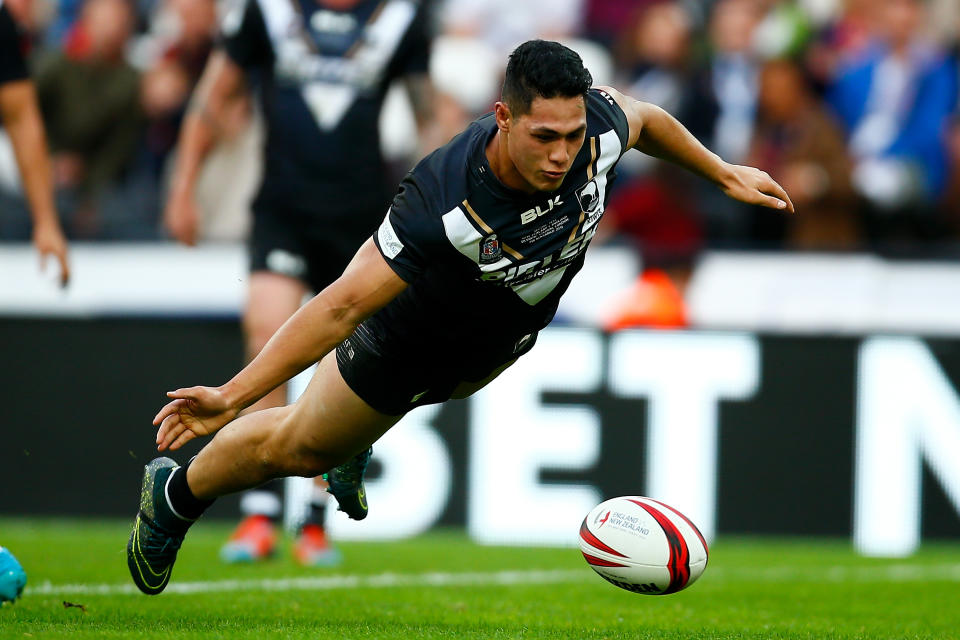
<point x="271" y="299"/>
<point x="305" y="502"/>
<point x="328" y="251"/>
<point x="327" y="426"/>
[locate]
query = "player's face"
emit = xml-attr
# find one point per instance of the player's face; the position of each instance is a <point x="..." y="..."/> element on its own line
<point x="544" y="142"/>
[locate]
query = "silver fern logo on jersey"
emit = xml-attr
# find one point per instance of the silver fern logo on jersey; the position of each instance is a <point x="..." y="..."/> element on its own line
<point x="589" y="197"/>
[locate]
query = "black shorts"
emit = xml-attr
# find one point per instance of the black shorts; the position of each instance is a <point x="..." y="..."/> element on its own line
<point x="393" y="384"/>
<point x="310" y="248"/>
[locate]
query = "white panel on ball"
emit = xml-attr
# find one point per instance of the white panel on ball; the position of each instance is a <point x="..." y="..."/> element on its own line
<point x="643" y="545"/>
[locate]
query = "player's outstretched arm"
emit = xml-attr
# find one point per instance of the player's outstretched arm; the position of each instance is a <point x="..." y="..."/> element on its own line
<point x="655" y="132"/>
<point x="222" y="84"/>
<point x="21" y="118"/>
<point x="367" y="284"/>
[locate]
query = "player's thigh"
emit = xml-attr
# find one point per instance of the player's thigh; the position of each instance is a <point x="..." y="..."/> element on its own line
<point x="332" y="420"/>
<point x="271" y="299"/>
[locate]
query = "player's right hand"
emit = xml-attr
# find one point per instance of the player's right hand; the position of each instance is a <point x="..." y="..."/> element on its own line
<point x="193" y="412"/>
<point x="180" y="216"/>
<point x="753" y="186"/>
<point x="49" y="240"/>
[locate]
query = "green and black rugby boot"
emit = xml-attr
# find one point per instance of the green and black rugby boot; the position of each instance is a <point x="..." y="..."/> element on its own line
<point x="157" y="532"/>
<point x="346" y="485"/>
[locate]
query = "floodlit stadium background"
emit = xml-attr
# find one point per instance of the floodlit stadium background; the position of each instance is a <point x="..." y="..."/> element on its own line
<point x="810" y="387"/>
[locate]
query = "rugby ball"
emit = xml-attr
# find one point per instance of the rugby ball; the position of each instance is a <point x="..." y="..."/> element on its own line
<point x="643" y="545"/>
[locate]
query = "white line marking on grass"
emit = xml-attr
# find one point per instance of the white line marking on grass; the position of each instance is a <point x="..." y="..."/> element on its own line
<point x="900" y="572"/>
<point x="323" y="583"/>
<point x="778" y="574"/>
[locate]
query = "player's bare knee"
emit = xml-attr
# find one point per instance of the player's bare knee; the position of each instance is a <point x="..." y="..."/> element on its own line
<point x="272" y="453"/>
<point x="269" y="457"/>
<point x="296" y="448"/>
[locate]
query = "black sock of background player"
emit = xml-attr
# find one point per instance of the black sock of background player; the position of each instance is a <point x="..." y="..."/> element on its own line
<point x="317" y="513"/>
<point x="181" y="498"/>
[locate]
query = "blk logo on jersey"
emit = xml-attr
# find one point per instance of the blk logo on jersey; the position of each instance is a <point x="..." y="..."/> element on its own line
<point x="490" y="250"/>
<point x="532" y="214"/>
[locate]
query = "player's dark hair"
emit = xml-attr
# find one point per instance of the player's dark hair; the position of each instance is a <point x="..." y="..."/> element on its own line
<point x="540" y="68"/>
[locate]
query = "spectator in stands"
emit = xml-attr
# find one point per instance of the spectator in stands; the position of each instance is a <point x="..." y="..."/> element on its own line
<point x="800" y="145"/>
<point x="604" y="20"/>
<point x="650" y="208"/>
<point x="506" y="23"/>
<point x="468" y="64"/>
<point x="950" y="204"/>
<point x="945" y="19"/>
<point x="894" y="103"/>
<point x="732" y="75"/>
<point x="657" y="54"/>
<point x="655" y="214"/>
<point x="722" y="107"/>
<point x="784" y="30"/>
<point x="840" y="40"/>
<point x="66" y="15"/>
<point x="90" y="99"/>
<point x="171" y="76"/>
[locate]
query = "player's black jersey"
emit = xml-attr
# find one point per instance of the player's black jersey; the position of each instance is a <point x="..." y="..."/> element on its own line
<point x="12" y="63"/>
<point x="324" y="74"/>
<point x="487" y="264"/>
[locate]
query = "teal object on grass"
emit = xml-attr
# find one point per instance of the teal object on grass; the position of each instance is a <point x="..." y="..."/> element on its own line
<point x="12" y="577"/>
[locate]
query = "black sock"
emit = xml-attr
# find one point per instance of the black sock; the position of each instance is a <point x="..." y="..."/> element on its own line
<point x="181" y="498"/>
<point x="317" y="513"/>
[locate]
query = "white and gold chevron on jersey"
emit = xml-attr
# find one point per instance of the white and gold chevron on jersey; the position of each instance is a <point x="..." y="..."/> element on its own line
<point x="323" y="74"/>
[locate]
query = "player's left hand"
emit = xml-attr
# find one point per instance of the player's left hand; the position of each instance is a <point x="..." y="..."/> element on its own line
<point x="754" y="186"/>
<point x="193" y="412"/>
<point x="49" y="240"/>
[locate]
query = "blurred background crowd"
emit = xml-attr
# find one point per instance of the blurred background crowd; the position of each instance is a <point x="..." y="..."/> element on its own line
<point x="852" y="105"/>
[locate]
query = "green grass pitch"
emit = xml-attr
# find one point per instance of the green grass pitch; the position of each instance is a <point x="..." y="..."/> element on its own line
<point x="443" y="586"/>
